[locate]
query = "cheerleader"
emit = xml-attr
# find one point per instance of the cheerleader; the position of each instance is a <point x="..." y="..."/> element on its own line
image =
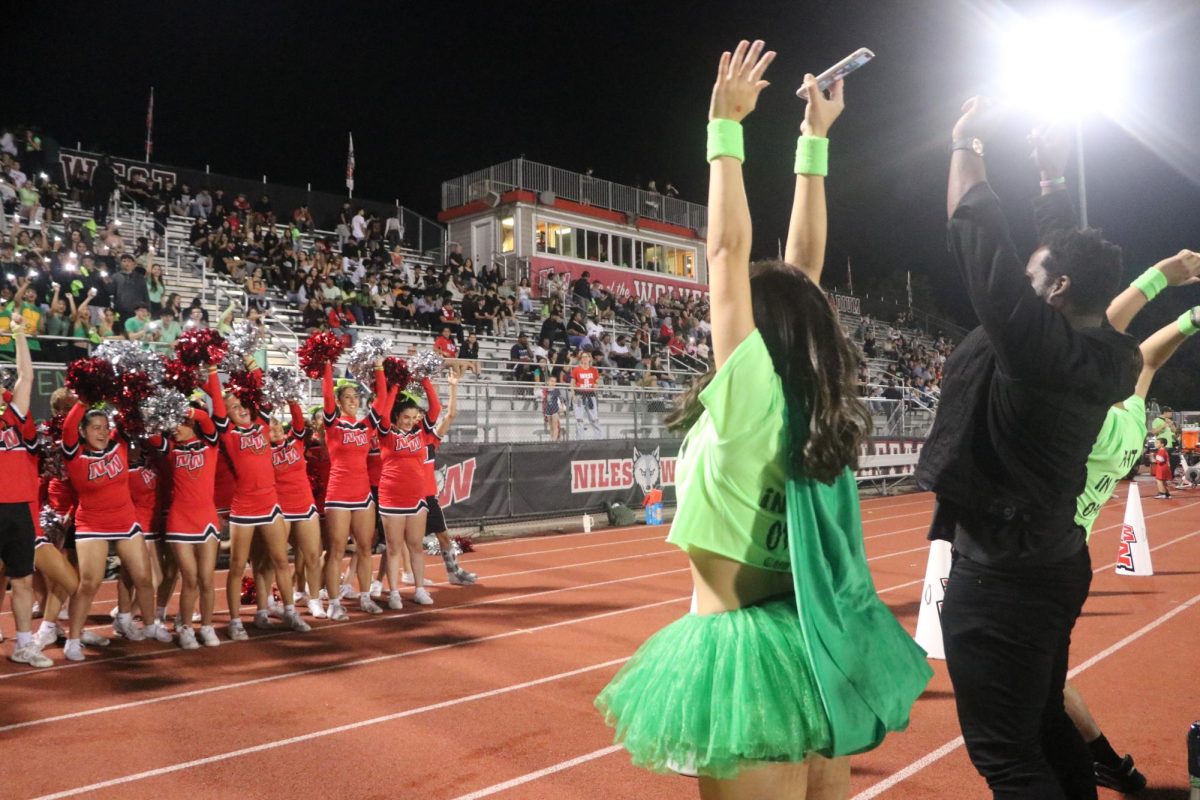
<point x="18" y="496"/>
<point x="192" y="455"/>
<point x="97" y="463"/>
<point x="789" y="661"/>
<point x="407" y="442"/>
<point x="255" y="505"/>
<point x="349" y="506"/>
<point x="436" y="521"/>
<point x="144" y="492"/>
<point x="316" y="466"/>
<point x="296" y="500"/>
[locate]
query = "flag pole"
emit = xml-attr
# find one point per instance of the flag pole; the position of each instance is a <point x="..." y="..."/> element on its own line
<point x="150" y="125"/>
<point x="350" y="168"/>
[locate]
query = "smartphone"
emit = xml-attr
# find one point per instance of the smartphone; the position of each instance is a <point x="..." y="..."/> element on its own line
<point x="839" y="70"/>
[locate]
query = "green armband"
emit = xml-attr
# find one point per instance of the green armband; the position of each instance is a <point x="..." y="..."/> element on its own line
<point x="725" y="139"/>
<point x="1150" y="283"/>
<point x="812" y="155"/>
<point x="1187" y="322"/>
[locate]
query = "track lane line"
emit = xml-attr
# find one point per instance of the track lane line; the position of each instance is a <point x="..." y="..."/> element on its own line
<point x="954" y="744"/>
<point x="362" y="662"/>
<point x="541" y="773"/>
<point x="353" y="726"/>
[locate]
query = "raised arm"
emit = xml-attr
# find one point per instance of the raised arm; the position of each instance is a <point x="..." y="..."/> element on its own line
<point x="327" y="391"/>
<point x="217" y="394"/>
<point x="1181" y="269"/>
<point x="70" y="428"/>
<point x="735" y="93"/>
<point x="23" y="388"/>
<point x="967" y="169"/>
<point x="204" y="423"/>
<point x="435" y="405"/>
<point x="807" y="230"/>
<point x="443" y="424"/>
<point x="1162" y="344"/>
<point x="298" y="423"/>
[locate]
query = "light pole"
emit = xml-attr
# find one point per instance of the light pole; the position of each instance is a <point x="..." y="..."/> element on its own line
<point x="1079" y="168"/>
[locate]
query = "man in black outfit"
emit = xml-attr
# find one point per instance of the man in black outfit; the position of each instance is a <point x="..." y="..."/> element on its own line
<point x="1023" y="399"/>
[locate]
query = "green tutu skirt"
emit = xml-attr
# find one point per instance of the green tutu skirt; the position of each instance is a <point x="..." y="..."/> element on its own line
<point x="709" y="693"/>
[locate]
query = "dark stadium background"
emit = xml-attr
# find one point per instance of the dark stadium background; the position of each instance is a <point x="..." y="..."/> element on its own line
<point x="434" y="90"/>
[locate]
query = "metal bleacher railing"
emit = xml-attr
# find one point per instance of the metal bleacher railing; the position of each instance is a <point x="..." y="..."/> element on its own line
<point x="493" y="407"/>
<point x="521" y="173"/>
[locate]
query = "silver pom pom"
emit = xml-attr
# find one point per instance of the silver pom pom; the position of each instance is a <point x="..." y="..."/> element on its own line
<point x="8" y="379"/>
<point x="50" y="454"/>
<point x="164" y="411"/>
<point x="54" y="525"/>
<point x="425" y="364"/>
<point x="245" y="339"/>
<point x="231" y="363"/>
<point x="283" y="385"/>
<point x="126" y="356"/>
<point x="434" y="548"/>
<point x="364" y="354"/>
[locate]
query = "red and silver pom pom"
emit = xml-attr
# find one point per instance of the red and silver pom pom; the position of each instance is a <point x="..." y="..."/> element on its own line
<point x="198" y="346"/>
<point x="164" y="411"/>
<point x="92" y="380"/>
<point x="395" y="372"/>
<point x="283" y="385"/>
<point x="425" y="364"/>
<point x="363" y="356"/>
<point x="319" y="349"/>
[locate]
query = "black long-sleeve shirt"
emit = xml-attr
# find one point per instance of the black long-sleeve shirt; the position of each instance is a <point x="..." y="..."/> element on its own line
<point x="1023" y="399"/>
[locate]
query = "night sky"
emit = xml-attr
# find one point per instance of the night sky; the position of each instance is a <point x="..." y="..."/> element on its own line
<point x="434" y="90"/>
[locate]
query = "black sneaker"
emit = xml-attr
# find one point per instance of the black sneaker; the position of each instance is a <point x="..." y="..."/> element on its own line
<point x="1124" y="778"/>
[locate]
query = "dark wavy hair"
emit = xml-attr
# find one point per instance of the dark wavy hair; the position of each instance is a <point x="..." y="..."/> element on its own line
<point x="1091" y="262"/>
<point x="827" y="422"/>
<point x="401" y="405"/>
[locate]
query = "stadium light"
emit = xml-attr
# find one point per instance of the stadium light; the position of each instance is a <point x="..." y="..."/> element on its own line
<point x="1063" y="66"/>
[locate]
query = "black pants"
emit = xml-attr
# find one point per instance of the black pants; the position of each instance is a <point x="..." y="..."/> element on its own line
<point x="1007" y="633"/>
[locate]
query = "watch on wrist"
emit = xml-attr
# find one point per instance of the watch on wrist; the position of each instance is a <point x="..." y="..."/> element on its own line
<point x="972" y="143"/>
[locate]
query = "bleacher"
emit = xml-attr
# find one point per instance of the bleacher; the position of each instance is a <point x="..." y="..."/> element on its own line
<point x="491" y="408"/>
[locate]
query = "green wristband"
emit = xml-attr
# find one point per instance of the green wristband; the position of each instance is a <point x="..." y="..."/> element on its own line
<point x="812" y="155"/>
<point x="725" y="139"/>
<point x="1150" y="283"/>
<point x="1187" y="322"/>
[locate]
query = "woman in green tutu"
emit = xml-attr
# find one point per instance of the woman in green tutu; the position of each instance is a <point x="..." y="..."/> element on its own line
<point x="788" y="662"/>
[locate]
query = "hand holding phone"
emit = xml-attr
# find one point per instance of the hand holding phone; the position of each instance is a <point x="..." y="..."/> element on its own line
<point x="839" y="71"/>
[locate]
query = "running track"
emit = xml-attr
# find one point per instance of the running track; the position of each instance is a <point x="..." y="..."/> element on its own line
<point x="488" y="693"/>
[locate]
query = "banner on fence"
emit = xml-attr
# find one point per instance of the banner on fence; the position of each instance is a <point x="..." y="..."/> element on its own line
<point x="472" y="481"/>
<point x="585" y="475"/>
<point x="847" y="304"/>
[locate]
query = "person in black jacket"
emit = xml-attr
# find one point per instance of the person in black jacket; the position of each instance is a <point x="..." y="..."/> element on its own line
<point x="104" y="181"/>
<point x="1023" y="398"/>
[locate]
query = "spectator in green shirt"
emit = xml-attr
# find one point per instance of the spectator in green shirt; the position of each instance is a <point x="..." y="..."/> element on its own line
<point x="169" y="328"/>
<point x="24" y="303"/>
<point x="135" y="326"/>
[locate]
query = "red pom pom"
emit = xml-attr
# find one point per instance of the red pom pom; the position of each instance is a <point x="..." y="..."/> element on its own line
<point x="247" y="387"/>
<point x="180" y="376"/>
<point x="134" y="387"/>
<point x="395" y="370"/>
<point x="319" y="349"/>
<point x="464" y="544"/>
<point x="249" y="590"/>
<point x="92" y="380"/>
<point x="198" y="346"/>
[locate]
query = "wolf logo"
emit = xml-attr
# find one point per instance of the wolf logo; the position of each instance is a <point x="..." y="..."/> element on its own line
<point x="646" y="470"/>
